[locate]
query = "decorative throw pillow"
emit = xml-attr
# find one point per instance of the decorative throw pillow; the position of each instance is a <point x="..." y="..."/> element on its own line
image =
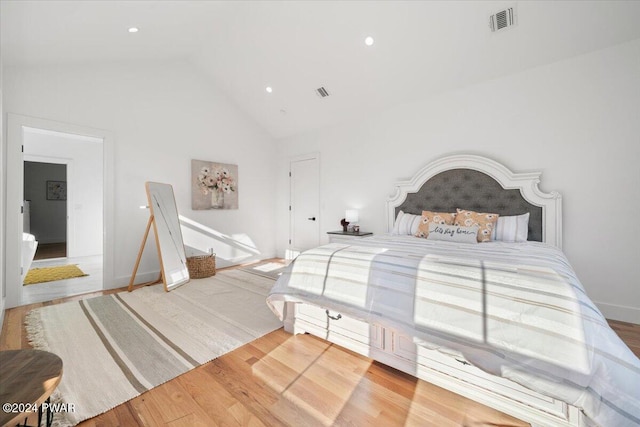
<point x="485" y="221"/>
<point x="428" y="217"/>
<point x="453" y="233"/>
<point x="512" y="228"/>
<point x="406" y="224"/>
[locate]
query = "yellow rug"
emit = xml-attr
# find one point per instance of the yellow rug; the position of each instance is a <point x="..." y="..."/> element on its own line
<point x="50" y="274"/>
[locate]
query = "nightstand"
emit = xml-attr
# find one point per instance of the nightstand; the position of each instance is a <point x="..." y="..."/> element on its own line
<point x="346" y="236"/>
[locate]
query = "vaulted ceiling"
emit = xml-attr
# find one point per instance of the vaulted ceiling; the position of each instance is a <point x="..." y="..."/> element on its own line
<point x="295" y="47"/>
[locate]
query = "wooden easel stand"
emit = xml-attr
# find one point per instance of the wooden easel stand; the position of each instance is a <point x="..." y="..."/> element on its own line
<point x="135" y="268"/>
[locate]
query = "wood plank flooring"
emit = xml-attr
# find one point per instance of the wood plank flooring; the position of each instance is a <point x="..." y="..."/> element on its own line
<point x="629" y="333"/>
<point x="300" y="380"/>
<point x="50" y="250"/>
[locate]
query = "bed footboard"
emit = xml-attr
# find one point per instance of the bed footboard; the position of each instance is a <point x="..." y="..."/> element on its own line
<point x="397" y="350"/>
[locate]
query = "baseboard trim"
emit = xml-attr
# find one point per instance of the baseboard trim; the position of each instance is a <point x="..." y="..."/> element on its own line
<point x="619" y="312"/>
<point x="123" y="281"/>
<point x="148" y="276"/>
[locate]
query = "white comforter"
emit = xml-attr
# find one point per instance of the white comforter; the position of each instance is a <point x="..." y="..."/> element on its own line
<point x="516" y="310"/>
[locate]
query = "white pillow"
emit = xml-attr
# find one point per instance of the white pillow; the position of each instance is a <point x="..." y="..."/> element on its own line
<point x="406" y="224"/>
<point x="512" y="228"/>
<point x="453" y="233"/>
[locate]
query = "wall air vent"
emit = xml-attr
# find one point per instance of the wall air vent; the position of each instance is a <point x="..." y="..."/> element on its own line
<point x="322" y="92"/>
<point x="502" y="20"/>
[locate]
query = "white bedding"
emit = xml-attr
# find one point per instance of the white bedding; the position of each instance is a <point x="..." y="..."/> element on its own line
<point x="516" y="310"/>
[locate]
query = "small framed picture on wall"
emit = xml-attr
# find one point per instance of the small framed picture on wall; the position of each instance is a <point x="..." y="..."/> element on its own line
<point x="56" y="190"/>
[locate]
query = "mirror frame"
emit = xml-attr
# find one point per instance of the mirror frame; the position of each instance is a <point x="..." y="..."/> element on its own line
<point x="161" y="223"/>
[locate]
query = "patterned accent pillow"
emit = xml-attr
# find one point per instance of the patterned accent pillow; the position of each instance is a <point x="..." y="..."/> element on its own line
<point x="429" y="217"/>
<point x="485" y="221"/>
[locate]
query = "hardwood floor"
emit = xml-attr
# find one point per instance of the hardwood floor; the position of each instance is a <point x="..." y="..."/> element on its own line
<point x="51" y="250"/>
<point x="629" y="333"/>
<point x="281" y="379"/>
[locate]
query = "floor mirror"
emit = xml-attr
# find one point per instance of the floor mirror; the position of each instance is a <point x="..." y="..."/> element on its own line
<point x="166" y="227"/>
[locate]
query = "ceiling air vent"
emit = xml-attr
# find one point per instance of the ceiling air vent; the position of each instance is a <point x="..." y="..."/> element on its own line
<point x="502" y="20"/>
<point x="322" y="92"/>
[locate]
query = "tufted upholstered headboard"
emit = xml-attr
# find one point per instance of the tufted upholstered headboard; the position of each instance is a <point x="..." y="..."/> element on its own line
<point x="480" y="184"/>
<point x="472" y="190"/>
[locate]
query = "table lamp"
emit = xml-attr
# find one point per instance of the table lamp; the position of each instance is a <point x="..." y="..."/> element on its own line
<point x="350" y="215"/>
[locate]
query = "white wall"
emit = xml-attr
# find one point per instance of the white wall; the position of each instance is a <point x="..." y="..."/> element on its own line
<point x="577" y="120"/>
<point x="162" y="115"/>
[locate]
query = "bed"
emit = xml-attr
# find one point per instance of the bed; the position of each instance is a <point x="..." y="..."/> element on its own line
<point x="507" y="324"/>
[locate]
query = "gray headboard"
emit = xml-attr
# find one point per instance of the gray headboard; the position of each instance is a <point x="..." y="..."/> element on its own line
<point x="477" y="183"/>
<point x="472" y="190"/>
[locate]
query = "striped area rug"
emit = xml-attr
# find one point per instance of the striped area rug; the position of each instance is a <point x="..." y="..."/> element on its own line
<point x="115" y="347"/>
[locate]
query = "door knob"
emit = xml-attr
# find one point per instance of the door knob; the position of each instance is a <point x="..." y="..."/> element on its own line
<point x="313" y="218"/>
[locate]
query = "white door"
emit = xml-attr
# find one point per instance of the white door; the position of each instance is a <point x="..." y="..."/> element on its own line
<point x="305" y="204"/>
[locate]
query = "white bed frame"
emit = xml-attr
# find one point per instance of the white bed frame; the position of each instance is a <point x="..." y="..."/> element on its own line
<point x="395" y="349"/>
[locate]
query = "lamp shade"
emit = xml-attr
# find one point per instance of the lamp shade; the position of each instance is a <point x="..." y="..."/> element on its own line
<point x="351" y="215"/>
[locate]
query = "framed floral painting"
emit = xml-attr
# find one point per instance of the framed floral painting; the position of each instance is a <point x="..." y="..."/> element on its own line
<point x="213" y="185"/>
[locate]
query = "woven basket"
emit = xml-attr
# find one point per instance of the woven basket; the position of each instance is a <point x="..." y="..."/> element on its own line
<point x="201" y="266"/>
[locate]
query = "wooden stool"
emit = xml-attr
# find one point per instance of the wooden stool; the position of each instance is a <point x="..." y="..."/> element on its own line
<point x="27" y="379"/>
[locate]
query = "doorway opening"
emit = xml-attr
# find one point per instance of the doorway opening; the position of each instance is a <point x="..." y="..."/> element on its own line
<point x="45" y="207"/>
<point x="63" y="185"/>
<point x="88" y="154"/>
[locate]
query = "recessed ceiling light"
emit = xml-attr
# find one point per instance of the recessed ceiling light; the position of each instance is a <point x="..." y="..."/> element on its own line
<point x="368" y="41"/>
<point x="133" y="30"/>
<point x="269" y="89"/>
